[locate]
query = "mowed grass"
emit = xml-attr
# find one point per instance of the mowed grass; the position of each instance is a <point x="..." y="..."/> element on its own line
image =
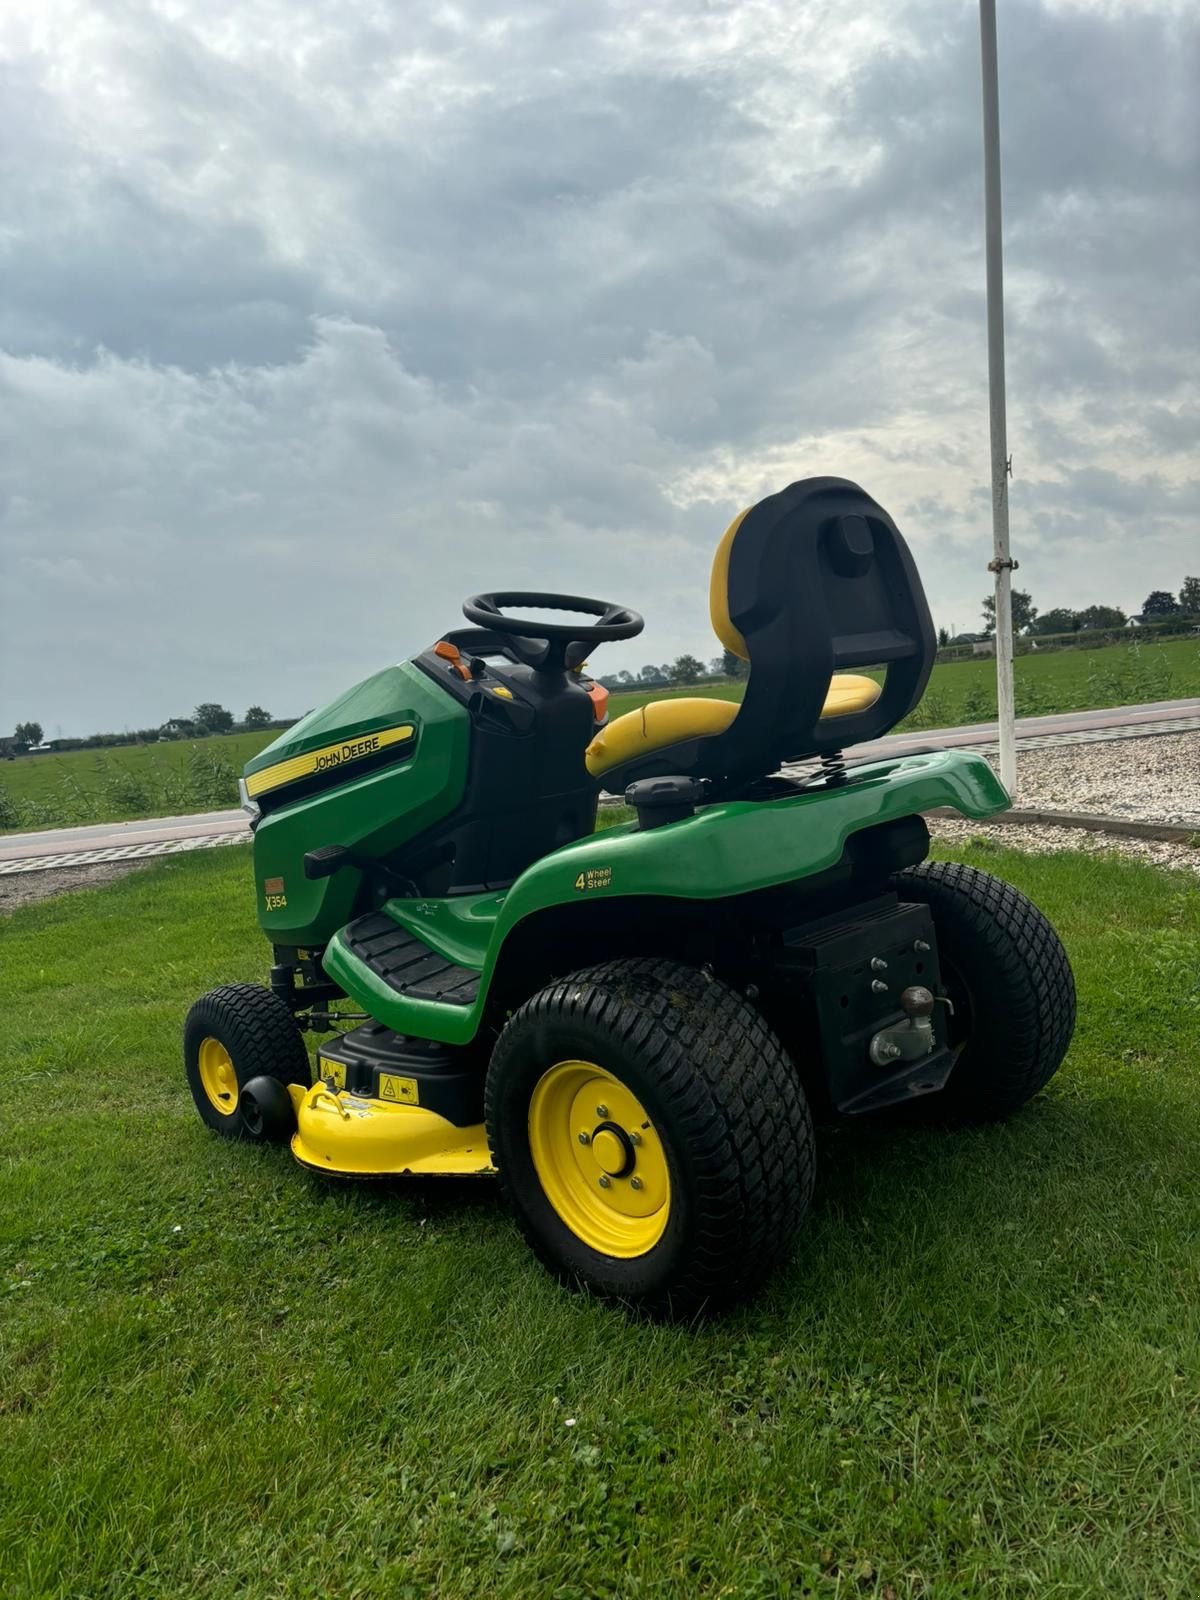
<point x="173" y="779"/>
<point x="221" y="1377"/>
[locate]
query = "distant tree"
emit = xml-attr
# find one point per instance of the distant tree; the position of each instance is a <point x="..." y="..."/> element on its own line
<point x="943" y="638"/>
<point x="213" y="718"/>
<point x="28" y="733"/>
<point x="1189" y="597"/>
<point x="1102" y="617"/>
<point x="685" y="669"/>
<point x="1024" y="612"/>
<point x="1159" y="603"/>
<point x="256" y="717"/>
<point x="1061" y="620"/>
<point x="651" y="674"/>
<point x="626" y="678"/>
<point x="733" y="666"/>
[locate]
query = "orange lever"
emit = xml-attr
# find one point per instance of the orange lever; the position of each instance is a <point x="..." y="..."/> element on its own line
<point x="451" y="653"/>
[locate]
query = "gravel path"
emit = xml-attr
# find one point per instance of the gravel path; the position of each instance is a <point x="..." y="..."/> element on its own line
<point x="1150" y="780"/>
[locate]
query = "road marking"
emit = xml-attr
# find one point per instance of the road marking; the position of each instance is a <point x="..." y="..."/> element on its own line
<point x="121" y="852"/>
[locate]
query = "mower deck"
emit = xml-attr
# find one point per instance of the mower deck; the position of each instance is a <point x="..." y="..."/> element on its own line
<point x="345" y="1135"/>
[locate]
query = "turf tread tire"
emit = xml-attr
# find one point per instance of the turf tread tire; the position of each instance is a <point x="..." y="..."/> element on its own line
<point x="719" y="1086"/>
<point x="1020" y="984"/>
<point x="262" y="1038"/>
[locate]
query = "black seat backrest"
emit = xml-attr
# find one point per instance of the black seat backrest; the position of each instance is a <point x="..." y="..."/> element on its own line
<point x="818" y="580"/>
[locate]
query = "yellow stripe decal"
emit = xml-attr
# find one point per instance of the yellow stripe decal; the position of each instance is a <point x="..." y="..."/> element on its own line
<point x="326" y="759"/>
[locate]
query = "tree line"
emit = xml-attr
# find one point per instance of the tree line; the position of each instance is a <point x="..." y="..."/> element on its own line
<point x="1160" y="605"/>
<point x="208" y="718"/>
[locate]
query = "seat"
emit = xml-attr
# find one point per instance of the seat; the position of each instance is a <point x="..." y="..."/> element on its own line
<point x="808" y="581"/>
<point x="664" y="722"/>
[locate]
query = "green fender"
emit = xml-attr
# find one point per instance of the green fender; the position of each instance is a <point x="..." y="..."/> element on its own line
<point x="727" y="849"/>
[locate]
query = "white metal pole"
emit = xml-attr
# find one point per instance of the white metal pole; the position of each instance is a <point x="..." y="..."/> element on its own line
<point x="1001" y="563"/>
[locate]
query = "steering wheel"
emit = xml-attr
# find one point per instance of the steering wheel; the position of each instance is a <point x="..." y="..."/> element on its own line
<point x="563" y="644"/>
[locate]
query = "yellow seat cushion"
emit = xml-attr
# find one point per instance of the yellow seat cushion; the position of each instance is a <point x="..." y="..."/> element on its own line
<point x="664" y="722"/>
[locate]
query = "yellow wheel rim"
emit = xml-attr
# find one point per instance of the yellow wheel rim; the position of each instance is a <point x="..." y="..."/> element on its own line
<point x="600" y="1161"/>
<point x="217" y="1077"/>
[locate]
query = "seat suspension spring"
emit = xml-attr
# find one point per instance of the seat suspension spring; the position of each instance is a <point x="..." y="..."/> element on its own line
<point x="833" y="767"/>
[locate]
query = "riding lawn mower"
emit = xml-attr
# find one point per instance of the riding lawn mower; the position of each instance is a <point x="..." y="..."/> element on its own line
<point x="631" y="1026"/>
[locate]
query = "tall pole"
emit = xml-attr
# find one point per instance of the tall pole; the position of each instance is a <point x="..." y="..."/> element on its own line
<point x="1001" y="563"/>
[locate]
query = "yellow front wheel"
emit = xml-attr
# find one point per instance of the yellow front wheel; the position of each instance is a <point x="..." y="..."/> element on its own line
<point x="651" y="1135"/>
<point x="218" y="1078"/>
<point x="233" y="1036"/>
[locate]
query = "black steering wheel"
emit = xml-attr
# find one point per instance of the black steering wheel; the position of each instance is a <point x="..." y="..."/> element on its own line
<point x="563" y="645"/>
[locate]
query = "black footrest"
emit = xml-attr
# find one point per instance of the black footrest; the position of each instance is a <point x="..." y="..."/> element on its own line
<point x="407" y="964"/>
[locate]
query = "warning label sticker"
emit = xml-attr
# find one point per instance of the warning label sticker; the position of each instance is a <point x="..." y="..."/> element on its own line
<point x="394" y="1087"/>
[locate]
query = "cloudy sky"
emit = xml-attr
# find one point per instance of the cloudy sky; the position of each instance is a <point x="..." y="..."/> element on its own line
<point x="316" y="317"/>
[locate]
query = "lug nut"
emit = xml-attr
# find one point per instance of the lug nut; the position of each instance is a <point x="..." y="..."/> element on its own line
<point x="878" y="964"/>
<point x="635" y="1137"/>
<point x="605" y="1180"/>
<point x="585" y="1138"/>
<point x="878" y="986"/>
<point x="601" y="1111"/>
<point x="635" y="1183"/>
<point x="921" y="946"/>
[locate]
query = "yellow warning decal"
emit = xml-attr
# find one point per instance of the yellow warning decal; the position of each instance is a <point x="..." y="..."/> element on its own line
<point x="326" y="759"/>
<point x="331" y="1069"/>
<point x="393" y="1087"/>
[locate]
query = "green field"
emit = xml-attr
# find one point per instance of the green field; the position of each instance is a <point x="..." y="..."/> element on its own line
<point x="171" y="779"/>
<point x="220" y="1377"/>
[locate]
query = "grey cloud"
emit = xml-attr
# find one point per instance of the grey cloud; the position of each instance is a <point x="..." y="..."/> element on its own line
<point x="317" y="318"/>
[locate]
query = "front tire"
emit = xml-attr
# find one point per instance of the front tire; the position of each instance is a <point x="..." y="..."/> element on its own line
<point x="651" y="1135"/>
<point x="1009" y="978"/>
<point x="233" y="1034"/>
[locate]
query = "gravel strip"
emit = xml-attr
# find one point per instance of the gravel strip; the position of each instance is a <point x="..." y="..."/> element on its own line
<point x="1149" y="780"/>
<point x="1040" y="841"/>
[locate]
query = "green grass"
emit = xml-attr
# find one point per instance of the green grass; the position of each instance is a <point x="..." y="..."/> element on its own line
<point x="220" y="1377"/>
<point x="114" y="785"/>
<point x="962" y="692"/>
<point x="171" y="779"/>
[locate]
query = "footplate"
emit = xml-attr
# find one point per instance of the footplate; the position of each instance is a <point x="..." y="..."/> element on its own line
<point x="406" y="964"/>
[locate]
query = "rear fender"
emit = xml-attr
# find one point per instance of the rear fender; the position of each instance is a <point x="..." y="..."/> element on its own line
<point x="732" y="848"/>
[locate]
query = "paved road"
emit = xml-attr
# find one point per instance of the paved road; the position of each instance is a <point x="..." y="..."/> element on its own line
<point x="154" y="836"/>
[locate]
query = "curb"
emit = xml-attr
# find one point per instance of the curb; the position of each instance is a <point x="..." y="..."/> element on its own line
<point x="1168" y="833"/>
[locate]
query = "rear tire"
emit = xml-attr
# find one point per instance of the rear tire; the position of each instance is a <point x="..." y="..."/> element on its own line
<point x="1006" y="971"/>
<point x="233" y="1034"/>
<point x="687" y="1099"/>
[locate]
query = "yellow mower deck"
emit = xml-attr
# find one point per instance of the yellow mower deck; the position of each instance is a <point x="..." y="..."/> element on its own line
<point x="351" y="1136"/>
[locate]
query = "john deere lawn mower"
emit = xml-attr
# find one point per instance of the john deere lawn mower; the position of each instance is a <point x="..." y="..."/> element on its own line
<point x="629" y="1026"/>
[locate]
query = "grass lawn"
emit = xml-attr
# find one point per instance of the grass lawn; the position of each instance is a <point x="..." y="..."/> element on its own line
<point x="221" y="1377"/>
<point x="172" y="779"/>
